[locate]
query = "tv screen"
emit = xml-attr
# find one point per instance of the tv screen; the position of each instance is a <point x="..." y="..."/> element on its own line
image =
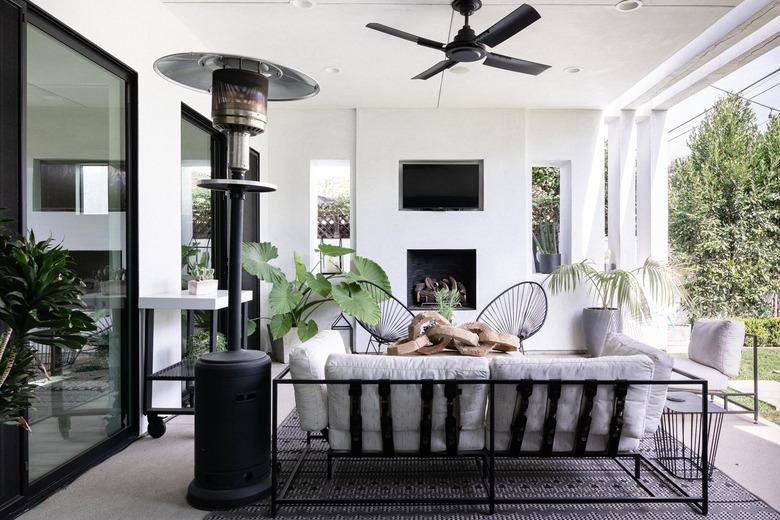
<point x="441" y="186"/>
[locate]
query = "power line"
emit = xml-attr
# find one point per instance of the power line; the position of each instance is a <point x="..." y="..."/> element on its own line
<point x="750" y="100"/>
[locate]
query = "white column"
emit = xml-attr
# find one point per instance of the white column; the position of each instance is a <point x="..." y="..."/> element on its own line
<point x="652" y="185"/>
<point x="621" y="199"/>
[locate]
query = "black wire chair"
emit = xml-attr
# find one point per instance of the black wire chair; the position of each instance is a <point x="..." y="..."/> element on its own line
<point x="520" y="310"/>
<point x="393" y="322"/>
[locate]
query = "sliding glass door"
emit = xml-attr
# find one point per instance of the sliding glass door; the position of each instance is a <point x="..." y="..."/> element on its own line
<point x="67" y="130"/>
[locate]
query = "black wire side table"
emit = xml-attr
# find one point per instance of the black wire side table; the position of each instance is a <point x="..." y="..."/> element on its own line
<point x="678" y="440"/>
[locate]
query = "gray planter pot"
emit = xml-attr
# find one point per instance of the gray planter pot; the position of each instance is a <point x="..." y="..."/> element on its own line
<point x="596" y="323"/>
<point x="548" y="263"/>
<point x="280" y="348"/>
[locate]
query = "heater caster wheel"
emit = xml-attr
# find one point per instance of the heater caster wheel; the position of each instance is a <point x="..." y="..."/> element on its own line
<point x="156" y="427"/>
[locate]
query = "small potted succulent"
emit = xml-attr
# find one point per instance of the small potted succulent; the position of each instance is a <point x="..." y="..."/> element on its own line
<point x="112" y="280"/>
<point x="202" y="281"/>
<point x="548" y="256"/>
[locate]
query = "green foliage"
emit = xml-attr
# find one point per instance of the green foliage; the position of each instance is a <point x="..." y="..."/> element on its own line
<point x="293" y="302"/>
<point x="447" y="300"/>
<point x="724" y="213"/>
<point x="767" y="330"/>
<point x="629" y="291"/>
<point x="40" y="302"/>
<point x="200" y="343"/>
<point x="200" y="273"/>
<point x="546" y="238"/>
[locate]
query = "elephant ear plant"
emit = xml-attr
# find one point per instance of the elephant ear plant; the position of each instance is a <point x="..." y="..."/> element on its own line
<point x="293" y="302"/>
<point x="40" y="302"/>
<point x="617" y="291"/>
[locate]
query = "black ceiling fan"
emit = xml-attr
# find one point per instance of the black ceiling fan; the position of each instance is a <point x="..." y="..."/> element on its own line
<point x="469" y="46"/>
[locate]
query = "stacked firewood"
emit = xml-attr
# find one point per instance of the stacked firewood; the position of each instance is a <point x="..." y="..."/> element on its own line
<point x="425" y="292"/>
<point x="431" y="333"/>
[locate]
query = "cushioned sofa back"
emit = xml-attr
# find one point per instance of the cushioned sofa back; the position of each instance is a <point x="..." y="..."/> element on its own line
<point x="405" y="400"/>
<point x="541" y="369"/>
<point x="308" y="362"/>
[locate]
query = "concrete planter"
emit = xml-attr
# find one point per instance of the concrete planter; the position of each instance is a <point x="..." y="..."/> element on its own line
<point x="198" y="288"/>
<point x="280" y="348"/>
<point x="596" y="324"/>
<point x="548" y="263"/>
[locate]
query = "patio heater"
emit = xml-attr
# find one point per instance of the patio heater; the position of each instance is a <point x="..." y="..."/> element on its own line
<point x="233" y="388"/>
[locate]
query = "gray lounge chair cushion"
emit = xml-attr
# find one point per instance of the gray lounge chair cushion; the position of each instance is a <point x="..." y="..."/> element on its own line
<point x="717" y="344"/>
<point x="715" y="380"/>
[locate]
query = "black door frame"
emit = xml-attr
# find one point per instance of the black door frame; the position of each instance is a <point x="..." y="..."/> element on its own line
<point x="31" y="494"/>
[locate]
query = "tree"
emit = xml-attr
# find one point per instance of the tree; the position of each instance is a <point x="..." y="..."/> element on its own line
<point x="724" y="213"/>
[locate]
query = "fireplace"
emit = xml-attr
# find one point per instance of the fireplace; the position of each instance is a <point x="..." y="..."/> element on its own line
<point x="441" y="266"/>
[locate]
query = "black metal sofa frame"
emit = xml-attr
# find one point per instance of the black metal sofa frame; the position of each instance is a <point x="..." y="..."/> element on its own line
<point x="487" y="457"/>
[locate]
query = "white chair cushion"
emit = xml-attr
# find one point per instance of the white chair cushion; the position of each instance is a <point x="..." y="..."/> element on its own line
<point x="307" y="361"/>
<point x="718" y="344"/>
<point x="405" y="400"/>
<point x="637" y="367"/>
<point x="715" y="379"/>
<point x="622" y="345"/>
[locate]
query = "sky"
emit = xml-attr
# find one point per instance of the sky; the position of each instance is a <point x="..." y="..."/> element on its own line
<point x="758" y="81"/>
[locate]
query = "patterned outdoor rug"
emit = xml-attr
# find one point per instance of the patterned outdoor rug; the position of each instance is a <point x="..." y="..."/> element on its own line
<point x="451" y="478"/>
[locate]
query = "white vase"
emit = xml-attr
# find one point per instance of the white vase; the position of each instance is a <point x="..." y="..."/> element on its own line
<point x="201" y="287"/>
<point x="280" y="348"/>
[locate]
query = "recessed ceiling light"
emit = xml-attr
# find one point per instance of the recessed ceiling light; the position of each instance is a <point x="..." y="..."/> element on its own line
<point x="572" y="70"/>
<point x="332" y="69"/>
<point x="303" y="4"/>
<point x="626" y="6"/>
<point x="459" y="69"/>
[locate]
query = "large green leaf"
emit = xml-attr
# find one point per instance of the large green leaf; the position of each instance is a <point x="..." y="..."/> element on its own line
<point x="256" y="258"/>
<point x="318" y="284"/>
<point x="307" y="330"/>
<point x="300" y="268"/>
<point x="332" y="250"/>
<point x="280" y="325"/>
<point x="356" y="302"/>
<point x="284" y="297"/>
<point x="364" y="269"/>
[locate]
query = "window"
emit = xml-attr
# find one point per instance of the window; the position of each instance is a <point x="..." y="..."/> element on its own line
<point x="545" y="212"/>
<point x="331" y="200"/>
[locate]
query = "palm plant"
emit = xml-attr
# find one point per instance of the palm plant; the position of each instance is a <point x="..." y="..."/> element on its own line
<point x="40" y="302"/>
<point x="293" y="302"/>
<point x="628" y="291"/>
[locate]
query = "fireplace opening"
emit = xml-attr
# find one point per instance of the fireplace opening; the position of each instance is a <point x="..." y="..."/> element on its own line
<point x="429" y="270"/>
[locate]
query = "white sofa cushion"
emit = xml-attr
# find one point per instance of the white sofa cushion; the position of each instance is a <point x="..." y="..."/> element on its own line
<point x="405" y="400"/>
<point x="716" y="380"/>
<point x="622" y="345"/>
<point x="307" y="361"/>
<point x="638" y="367"/>
<point x="717" y="344"/>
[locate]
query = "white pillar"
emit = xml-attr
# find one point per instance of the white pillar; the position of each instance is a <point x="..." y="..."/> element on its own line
<point x="652" y="186"/>
<point x="621" y="181"/>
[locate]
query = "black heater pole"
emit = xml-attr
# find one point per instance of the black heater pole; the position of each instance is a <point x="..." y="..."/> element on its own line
<point x="233" y="388"/>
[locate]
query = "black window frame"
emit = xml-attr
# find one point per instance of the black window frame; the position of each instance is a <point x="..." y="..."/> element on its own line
<point x="29" y="14"/>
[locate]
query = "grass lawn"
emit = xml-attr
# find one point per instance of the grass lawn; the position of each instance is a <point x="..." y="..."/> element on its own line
<point x="768" y="363"/>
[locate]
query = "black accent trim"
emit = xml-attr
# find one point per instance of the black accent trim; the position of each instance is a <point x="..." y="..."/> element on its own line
<point x="589" y="390"/>
<point x="519" y="418"/>
<point x="616" y="425"/>
<point x="426" y="417"/>
<point x="386" y="418"/>
<point x="452" y="421"/>
<point x="355" y="418"/>
<point x="551" y="416"/>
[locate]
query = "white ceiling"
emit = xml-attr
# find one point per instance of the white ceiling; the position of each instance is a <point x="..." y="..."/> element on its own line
<point x="613" y="49"/>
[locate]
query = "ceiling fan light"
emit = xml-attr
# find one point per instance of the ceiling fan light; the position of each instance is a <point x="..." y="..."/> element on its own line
<point x="459" y="69"/>
<point x="627" y="6"/>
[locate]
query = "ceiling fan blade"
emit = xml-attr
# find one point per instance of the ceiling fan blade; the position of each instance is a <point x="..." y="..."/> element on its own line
<point x="439" y="67"/>
<point x="419" y="40"/>
<point x="508" y="26"/>
<point x="514" y="64"/>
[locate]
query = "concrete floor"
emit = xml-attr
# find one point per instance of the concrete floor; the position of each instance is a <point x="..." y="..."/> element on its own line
<point x="149" y="479"/>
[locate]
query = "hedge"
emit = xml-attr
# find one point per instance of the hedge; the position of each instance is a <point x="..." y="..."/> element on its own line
<point x="766" y="329"/>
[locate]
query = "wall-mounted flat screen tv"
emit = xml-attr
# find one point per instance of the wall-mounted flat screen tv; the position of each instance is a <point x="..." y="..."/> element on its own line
<point x="441" y="185"/>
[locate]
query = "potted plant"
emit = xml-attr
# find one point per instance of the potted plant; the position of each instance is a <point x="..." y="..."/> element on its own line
<point x="112" y="280"/>
<point x="293" y="302"/>
<point x="447" y="300"/>
<point x="615" y="292"/>
<point x="40" y="302"/>
<point x="547" y="255"/>
<point x="202" y="281"/>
